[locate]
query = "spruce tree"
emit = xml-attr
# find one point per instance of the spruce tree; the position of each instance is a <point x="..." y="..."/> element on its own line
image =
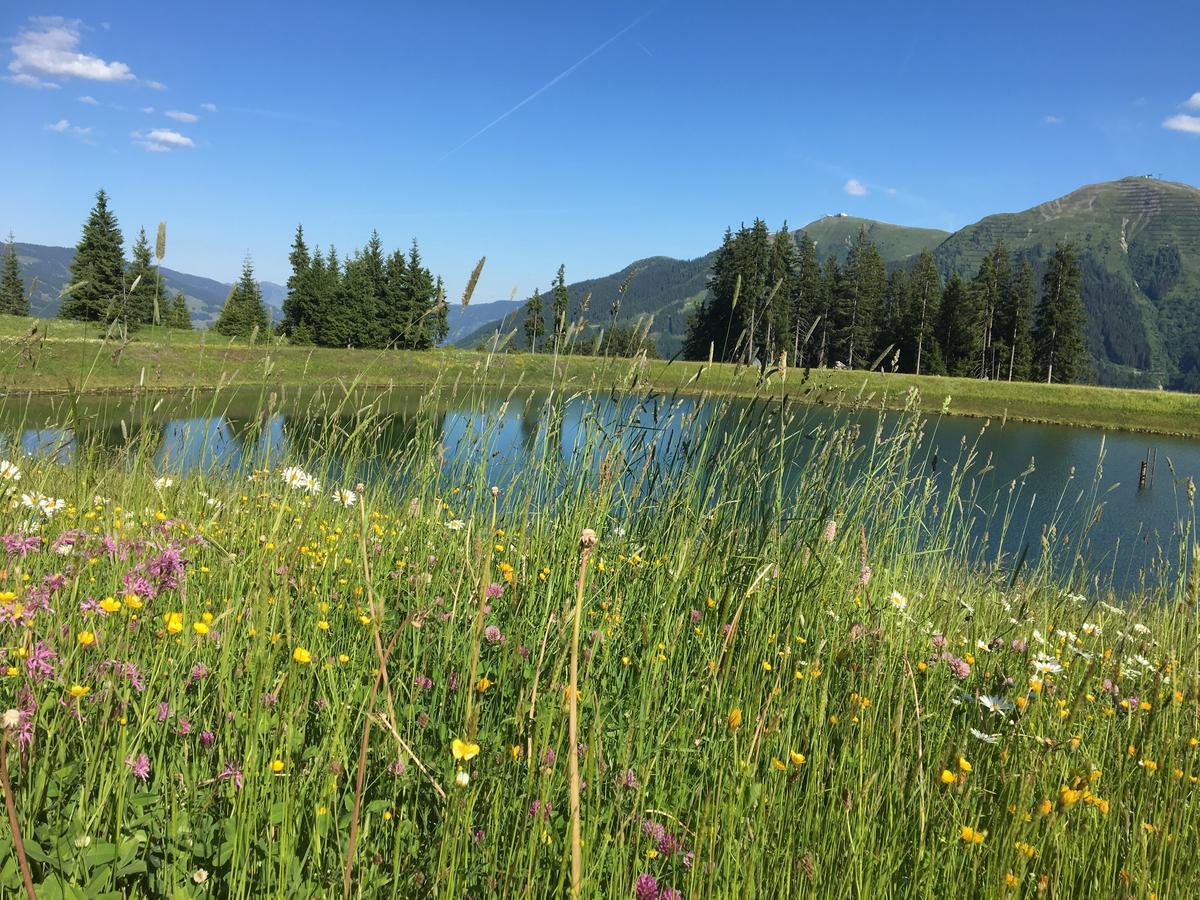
<point x="782" y="280"/>
<point x="178" y="315"/>
<point x="865" y="282"/>
<point x="297" y="301"/>
<point x="98" y="268"/>
<point x="1058" y="349"/>
<point x="985" y="299"/>
<point x="244" y="315"/>
<point x="143" y="285"/>
<point x="373" y="297"/>
<point x="711" y="323"/>
<point x="806" y="299"/>
<point x="894" y="319"/>
<point x="535" y="324"/>
<point x="999" y="351"/>
<point x="422" y="302"/>
<point x="925" y="288"/>
<point x="959" y="328"/>
<point x="1014" y="324"/>
<point x="831" y="299"/>
<point x="12" y="290"/>
<point x="559" y="304"/>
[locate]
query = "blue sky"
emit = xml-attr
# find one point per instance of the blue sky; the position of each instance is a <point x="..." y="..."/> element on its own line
<point x="587" y="134"/>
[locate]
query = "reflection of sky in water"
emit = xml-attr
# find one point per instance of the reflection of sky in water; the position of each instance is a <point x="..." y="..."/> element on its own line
<point x="495" y="439"/>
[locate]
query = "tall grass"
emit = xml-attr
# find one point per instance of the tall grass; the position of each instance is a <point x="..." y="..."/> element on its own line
<point x="790" y="681"/>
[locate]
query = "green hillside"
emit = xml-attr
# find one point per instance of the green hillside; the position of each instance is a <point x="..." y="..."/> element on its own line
<point x="1139" y="246"/>
<point x="666" y="288"/>
<point x="834" y="235"/>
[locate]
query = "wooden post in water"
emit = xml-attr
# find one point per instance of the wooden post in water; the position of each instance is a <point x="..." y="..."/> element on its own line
<point x="1153" y="465"/>
<point x="1142" y="473"/>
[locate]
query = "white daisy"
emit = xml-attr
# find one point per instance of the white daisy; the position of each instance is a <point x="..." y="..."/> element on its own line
<point x="343" y="497"/>
<point x="8" y="471"/>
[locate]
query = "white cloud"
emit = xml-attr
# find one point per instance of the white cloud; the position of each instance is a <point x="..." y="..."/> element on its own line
<point x="1052" y="120"/>
<point x="1184" y="123"/>
<point x="89" y="100"/>
<point x="209" y="107"/>
<point x="1192" y="102"/>
<point x="63" y="126"/>
<point x="162" y="140"/>
<point x="26" y="80"/>
<point x="855" y="188"/>
<point x="181" y="116"/>
<point x="155" y="85"/>
<point x="147" y="109"/>
<point x="49" y="48"/>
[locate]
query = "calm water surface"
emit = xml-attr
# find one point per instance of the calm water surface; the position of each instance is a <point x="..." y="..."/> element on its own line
<point x="1053" y="462"/>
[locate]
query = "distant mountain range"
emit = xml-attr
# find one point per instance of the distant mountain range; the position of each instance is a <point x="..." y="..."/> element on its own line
<point x="49" y="270"/>
<point x="1138" y="240"/>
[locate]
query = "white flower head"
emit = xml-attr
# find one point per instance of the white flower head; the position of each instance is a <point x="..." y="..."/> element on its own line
<point x="163" y="481"/>
<point x="898" y="600"/>
<point x="995" y="704"/>
<point x="344" y="497"/>
<point x="1046" y="665"/>
<point x="9" y="471"/>
<point x="455" y="524"/>
<point x="985" y="737"/>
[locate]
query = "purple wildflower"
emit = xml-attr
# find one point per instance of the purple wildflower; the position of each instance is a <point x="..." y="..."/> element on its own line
<point x="493" y="635"/>
<point x="40" y="662"/>
<point x="207" y="739"/>
<point x="495" y="591"/>
<point x="646" y="887"/>
<point x="231" y="772"/>
<point x="140" y="766"/>
<point x="164" y="712"/>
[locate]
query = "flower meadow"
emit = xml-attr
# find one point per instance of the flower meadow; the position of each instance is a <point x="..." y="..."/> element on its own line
<point x="623" y="671"/>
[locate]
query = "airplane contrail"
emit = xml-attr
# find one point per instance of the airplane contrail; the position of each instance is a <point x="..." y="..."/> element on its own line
<point x="549" y="84"/>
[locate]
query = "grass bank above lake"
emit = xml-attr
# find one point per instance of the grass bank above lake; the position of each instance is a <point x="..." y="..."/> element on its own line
<point x="51" y="356"/>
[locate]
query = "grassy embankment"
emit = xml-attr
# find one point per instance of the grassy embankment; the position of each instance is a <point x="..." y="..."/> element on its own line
<point x="785" y="688"/>
<point x="67" y="356"/>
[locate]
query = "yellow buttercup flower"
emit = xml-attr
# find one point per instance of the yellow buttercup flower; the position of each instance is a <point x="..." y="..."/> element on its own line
<point x="463" y="750"/>
<point x="79" y="690"/>
<point x="277" y="766"/>
<point x="86" y="638"/>
<point x="798" y="759"/>
<point x="947" y="777"/>
<point x="735" y="718"/>
<point x="971" y="836"/>
<point x="301" y="656"/>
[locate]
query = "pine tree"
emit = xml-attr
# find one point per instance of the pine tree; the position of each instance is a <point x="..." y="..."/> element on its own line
<point x="806" y="298"/>
<point x="783" y="282"/>
<point x="1014" y="324"/>
<point x="865" y="282"/>
<point x="894" y="319"/>
<point x="98" y="269"/>
<point x="373" y="297"/>
<point x="711" y="323"/>
<point x="559" y="304"/>
<point x="535" y="324"/>
<point x="13" y="301"/>
<point x="959" y="328"/>
<point x="831" y="299"/>
<point x="178" y="315"/>
<point x="1058" y="349"/>
<point x="143" y="285"/>
<point x="423" y="302"/>
<point x="244" y="315"/>
<point x="299" y="285"/>
<point x="999" y="351"/>
<point x="925" y="287"/>
<point x="985" y="298"/>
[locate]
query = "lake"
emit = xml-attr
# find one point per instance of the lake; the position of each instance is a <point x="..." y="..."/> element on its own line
<point x="1029" y="472"/>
